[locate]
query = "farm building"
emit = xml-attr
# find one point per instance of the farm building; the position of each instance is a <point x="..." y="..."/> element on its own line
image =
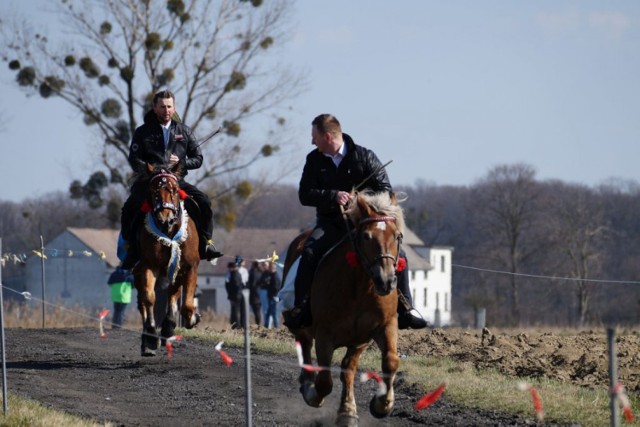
<point x="76" y="268"/>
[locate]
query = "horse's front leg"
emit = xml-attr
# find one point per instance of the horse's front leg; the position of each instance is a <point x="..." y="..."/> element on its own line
<point x="169" y="322"/>
<point x="382" y="405"/>
<point x="145" y="283"/>
<point x="189" y="280"/>
<point x="348" y="412"/>
<point x="315" y="393"/>
<point x="307" y="377"/>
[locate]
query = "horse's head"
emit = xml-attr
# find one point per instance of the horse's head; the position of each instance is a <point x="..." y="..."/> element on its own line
<point x="380" y="223"/>
<point x="164" y="196"/>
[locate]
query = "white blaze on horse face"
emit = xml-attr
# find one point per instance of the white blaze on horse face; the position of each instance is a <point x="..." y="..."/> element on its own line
<point x="381" y="225"/>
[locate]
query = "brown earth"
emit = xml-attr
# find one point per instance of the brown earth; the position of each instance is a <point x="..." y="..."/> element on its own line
<point x="106" y="379"/>
<point x="579" y="358"/>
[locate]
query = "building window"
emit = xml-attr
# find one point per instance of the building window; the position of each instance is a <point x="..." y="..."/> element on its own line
<point x="413" y="274"/>
<point x="207" y="280"/>
<point x="446" y="301"/>
<point x="442" y="258"/>
<point x="437" y="300"/>
<point x="425" y="296"/>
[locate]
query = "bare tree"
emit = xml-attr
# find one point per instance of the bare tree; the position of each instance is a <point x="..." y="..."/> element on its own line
<point x="215" y="55"/>
<point x="580" y="231"/>
<point x="506" y="203"/>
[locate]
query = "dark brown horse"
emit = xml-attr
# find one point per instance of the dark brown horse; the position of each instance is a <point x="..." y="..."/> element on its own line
<point x="168" y="248"/>
<point x="354" y="301"/>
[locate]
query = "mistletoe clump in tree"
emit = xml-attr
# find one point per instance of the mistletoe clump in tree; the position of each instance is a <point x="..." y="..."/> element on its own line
<point x="215" y="55"/>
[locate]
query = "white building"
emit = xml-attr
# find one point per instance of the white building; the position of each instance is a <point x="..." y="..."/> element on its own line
<point x="429" y="279"/>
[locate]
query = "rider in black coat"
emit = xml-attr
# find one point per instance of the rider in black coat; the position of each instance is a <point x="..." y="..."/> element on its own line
<point x="164" y="140"/>
<point x="331" y="172"/>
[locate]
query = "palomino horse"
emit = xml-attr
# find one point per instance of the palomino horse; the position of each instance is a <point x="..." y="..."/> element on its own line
<point x="354" y="301"/>
<point x="168" y="248"/>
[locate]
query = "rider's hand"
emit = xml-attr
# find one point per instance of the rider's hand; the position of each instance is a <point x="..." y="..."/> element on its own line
<point x="173" y="159"/>
<point x="343" y="198"/>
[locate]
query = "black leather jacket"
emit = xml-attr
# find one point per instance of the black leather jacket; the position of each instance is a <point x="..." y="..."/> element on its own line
<point x="321" y="180"/>
<point x="147" y="145"/>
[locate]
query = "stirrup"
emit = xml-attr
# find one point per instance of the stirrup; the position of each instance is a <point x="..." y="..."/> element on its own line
<point x="210" y="251"/>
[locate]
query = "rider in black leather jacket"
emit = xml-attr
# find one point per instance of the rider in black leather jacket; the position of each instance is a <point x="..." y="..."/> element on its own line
<point x="148" y="147"/>
<point x="331" y="171"/>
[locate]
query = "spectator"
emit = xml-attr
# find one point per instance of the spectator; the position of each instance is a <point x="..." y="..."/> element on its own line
<point x="120" y="281"/>
<point x="233" y="285"/>
<point x="264" y="292"/>
<point x="255" y="272"/>
<point x="272" y="283"/>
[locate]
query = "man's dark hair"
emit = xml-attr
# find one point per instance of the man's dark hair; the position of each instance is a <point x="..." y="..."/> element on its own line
<point x="327" y="123"/>
<point x="163" y="94"/>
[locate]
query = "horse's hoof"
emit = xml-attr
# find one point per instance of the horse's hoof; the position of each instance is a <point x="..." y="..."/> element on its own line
<point x="147" y="352"/>
<point x="310" y="395"/>
<point x="345" y="420"/>
<point x="152" y="343"/>
<point x="376" y="411"/>
<point x="192" y="321"/>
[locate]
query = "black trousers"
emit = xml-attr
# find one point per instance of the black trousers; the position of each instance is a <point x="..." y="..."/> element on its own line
<point x="403" y="286"/>
<point x="325" y="234"/>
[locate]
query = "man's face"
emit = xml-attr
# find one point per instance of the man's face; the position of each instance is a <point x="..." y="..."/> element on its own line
<point x="321" y="140"/>
<point x="164" y="109"/>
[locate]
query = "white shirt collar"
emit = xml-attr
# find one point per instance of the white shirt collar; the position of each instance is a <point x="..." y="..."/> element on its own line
<point x="337" y="158"/>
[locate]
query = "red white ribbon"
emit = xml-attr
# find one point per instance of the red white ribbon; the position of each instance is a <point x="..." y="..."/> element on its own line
<point x="306" y="367"/>
<point x="535" y="396"/>
<point x="225" y="357"/>
<point x="382" y="387"/>
<point x="102" y="315"/>
<point x="169" y="346"/>
<point x="619" y="392"/>
<point x="430" y="398"/>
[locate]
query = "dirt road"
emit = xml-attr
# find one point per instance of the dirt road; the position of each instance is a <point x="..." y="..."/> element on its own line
<point x="77" y="371"/>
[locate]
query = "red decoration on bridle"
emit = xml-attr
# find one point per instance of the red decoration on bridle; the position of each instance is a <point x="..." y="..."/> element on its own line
<point x="353" y="261"/>
<point x="146" y="207"/>
<point x="402" y="264"/>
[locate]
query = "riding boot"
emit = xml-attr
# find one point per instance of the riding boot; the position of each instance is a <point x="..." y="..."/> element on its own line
<point x="208" y="251"/>
<point x="409" y="317"/>
<point x="300" y="315"/>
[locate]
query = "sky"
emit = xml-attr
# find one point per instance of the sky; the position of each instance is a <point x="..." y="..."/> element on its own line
<point x="446" y="90"/>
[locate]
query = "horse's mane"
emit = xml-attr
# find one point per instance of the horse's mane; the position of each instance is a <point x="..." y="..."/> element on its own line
<point x="384" y="203"/>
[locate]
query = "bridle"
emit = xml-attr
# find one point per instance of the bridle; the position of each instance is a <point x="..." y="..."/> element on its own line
<point x="355" y="241"/>
<point x="164" y="178"/>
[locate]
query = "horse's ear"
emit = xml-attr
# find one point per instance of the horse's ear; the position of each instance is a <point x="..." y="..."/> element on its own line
<point x="177" y="169"/>
<point x="149" y="167"/>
